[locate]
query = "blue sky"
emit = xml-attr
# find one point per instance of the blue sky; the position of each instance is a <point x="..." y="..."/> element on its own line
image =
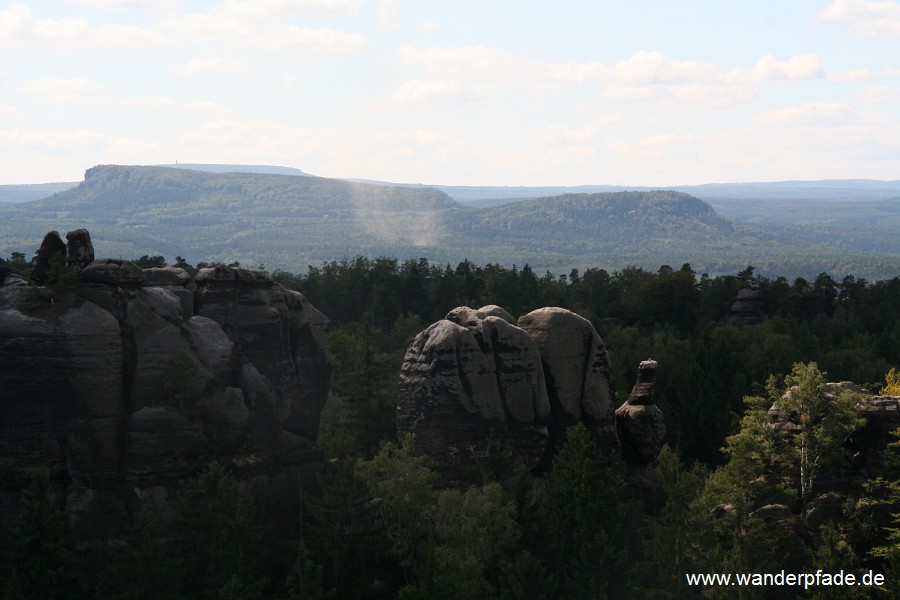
<point x="479" y="93"/>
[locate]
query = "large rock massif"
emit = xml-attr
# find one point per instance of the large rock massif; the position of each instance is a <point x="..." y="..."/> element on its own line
<point x="129" y="381"/>
<point x="480" y="375"/>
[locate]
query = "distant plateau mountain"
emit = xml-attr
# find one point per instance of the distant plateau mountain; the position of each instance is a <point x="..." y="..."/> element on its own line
<point x="285" y="218"/>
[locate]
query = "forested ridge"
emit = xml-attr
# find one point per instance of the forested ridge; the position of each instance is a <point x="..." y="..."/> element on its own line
<point x="737" y="497"/>
<point x="290" y="222"/>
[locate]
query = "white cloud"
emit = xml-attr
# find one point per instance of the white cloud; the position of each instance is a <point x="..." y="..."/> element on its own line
<point x="212" y="66"/>
<point x="289" y="9"/>
<point x="433" y="93"/>
<point x="264" y="35"/>
<point x="7" y="111"/>
<point x="769" y="68"/>
<point x="127" y="5"/>
<point x="386" y="11"/>
<point x="849" y="76"/>
<point x="428" y="26"/>
<point x="79" y="91"/>
<point x="880" y="94"/>
<point x="865" y="19"/>
<point x="645" y="75"/>
<point x="19" y="26"/>
<point x="813" y="114"/>
<point x="261" y="25"/>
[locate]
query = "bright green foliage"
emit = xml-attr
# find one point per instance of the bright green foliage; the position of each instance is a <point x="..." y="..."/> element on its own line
<point x="591" y="523"/>
<point x="404" y="499"/>
<point x="832" y="555"/>
<point x="218" y="535"/>
<point x="823" y="422"/>
<point x="892" y="383"/>
<point x="752" y="474"/>
<point x="674" y="546"/>
<point x="883" y="493"/>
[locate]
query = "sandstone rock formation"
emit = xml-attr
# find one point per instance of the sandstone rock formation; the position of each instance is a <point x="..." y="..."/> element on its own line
<point x="79" y="249"/>
<point x="129" y="384"/>
<point x="748" y="308"/>
<point x="642" y="433"/>
<point x="467" y="380"/>
<point x="51" y="246"/>
<point x="576" y="367"/>
<point x="476" y="375"/>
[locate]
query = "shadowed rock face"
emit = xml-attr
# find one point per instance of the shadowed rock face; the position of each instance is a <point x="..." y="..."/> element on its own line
<point x="463" y="385"/>
<point x="124" y="391"/>
<point x="475" y="375"/>
<point x="79" y="249"/>
<point x="50" y="246"/>
<point x="642" y="431"/>
<point x="642" y="434"/>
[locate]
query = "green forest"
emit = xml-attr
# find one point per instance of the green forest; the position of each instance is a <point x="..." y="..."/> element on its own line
<point x="735" y="494"/>
<point x="290" y="222"/>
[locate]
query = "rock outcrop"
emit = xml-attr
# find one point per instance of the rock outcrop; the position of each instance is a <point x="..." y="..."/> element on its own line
<point x="79" y="249"/>
<point x="476" y="376"/>
<point x="576" y="367"/>
<point x="52" y="245"/>
<point x="466" y="381"/>
<point x="748" y="308"/>
<point x="642" y="433"/>
<point x="128" y="385"/>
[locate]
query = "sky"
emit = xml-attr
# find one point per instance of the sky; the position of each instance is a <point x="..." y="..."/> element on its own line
<point x="459" y="92"/>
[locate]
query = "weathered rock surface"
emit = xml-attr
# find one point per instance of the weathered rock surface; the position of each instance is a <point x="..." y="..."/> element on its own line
<point x="79" y="249"/>
<point x="576" y="368"/>
<point x="642" y="431"/>
<point x="51" y="246"/>
<point x="747" y="308"/>
<point x="163" y="276"/>
<point x="125" y="389"/>
<point x="642" y="434"/>
<point x="113" y="271"/>
<point x="476" y="375"/>
<point x="462" y="386"/>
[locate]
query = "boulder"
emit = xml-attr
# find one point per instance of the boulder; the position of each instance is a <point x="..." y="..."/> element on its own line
<point x="165" y="276"/>
<point x="79" y="249"/>
<point x="492" y="310"/>
<point x="113" y="271"/>
<point x="224" y="415"/>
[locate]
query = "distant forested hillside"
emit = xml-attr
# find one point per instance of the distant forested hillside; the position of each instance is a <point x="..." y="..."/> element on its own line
<point x="291" y="222"/>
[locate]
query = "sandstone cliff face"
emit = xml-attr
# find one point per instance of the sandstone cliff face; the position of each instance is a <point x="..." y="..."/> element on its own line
<point x="476" y="375"/>
<point x="128" y="384"/>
